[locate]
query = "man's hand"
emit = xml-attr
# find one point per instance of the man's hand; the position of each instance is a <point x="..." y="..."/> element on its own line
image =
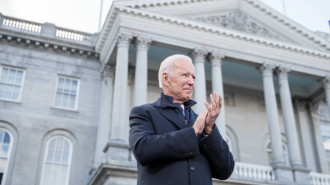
<point x="213" y="111"/>
<point x="199" y="123"/>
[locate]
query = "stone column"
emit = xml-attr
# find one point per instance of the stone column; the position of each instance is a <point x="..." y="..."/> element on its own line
<point x="118" y="132"/>
<point x="326" y="85"/>
<point x="141" y="71"/>
<point x="322" y="159"/>
<point x="301" y="173"/>
<point x="288" y="117"/>
<point x="272" y="113"/>
<point x="103" y="129"/>
<point x="282" y="172"/>
<point x="217" y="85"/>
<point x="306" y="135"/>
<point x="200" y="81"/>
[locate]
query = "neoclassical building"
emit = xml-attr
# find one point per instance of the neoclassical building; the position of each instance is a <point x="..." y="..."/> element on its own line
<point x="65" y="95"/>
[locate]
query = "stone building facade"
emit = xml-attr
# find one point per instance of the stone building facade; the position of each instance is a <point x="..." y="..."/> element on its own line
<point x="65" y="95"/>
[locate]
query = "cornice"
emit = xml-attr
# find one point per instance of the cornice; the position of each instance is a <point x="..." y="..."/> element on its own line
<point x="223" y="31"/>
<point x="47" y="44"/>
<point x="255" y="3"/>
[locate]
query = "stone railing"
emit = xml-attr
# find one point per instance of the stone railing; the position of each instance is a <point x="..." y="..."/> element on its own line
<point x="319" y="178"/>
<point x="47" y="30"/>
<point x="253" y="172"/>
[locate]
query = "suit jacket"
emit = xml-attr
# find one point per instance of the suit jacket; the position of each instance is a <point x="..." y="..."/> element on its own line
<point x="167" y="150"/>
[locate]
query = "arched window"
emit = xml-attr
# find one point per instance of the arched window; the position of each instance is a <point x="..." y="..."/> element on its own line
<point x="57" y="161"/>
<point x="5" y="148"/>
<point x="285" y="153"/>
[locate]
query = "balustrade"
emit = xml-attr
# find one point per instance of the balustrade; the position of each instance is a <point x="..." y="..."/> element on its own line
<point x="319" y="179"/>
<point x="37" y="28"/>
<point x="253" y="172"/>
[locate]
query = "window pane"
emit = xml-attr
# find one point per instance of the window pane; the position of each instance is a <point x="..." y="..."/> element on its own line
<point x="72" y="101"/>
<point x="60" y="85"/>
<point x="8" y="91"/>
<point x="11" y="77"/>
<point x="7" y="138"/>
<point x="2" y="90"/>
<point x="67" y="86"/>
<point x="58" y="99"/>
<point x="4" y="75"/>
<point x="65" y="99"/>
<point x="74" y="86"/>
<point x="19" y="77"/>
<point x="15" y="93"/>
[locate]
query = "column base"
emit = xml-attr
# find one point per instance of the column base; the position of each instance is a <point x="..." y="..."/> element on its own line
<point x="119" y="153"/>
<point x="301" y="175"/>
<point x="283" y="173"/>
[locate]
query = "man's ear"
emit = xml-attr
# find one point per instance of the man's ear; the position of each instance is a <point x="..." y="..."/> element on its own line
<point x="165" y="79"/>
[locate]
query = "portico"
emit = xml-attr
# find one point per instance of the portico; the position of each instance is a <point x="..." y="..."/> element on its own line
<point x="270" y="68"/>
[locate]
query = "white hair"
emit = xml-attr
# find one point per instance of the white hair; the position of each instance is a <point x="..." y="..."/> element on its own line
<point x="167" y="65"/>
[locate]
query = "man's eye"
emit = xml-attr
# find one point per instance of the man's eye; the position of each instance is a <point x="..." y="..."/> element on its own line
<point x="185" y="74"/>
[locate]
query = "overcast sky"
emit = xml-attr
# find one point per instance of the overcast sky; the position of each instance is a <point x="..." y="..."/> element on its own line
<point x="83" y="15"/>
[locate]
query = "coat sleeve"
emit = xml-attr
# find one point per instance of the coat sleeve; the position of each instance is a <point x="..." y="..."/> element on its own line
<point x="215" y="148"/>
<point x="148" y="147"/>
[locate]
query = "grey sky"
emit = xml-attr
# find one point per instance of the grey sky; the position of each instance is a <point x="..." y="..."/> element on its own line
<point x="83" y="15"/>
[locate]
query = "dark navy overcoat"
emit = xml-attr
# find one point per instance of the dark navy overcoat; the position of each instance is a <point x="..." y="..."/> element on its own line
<point x="167" y="150"/>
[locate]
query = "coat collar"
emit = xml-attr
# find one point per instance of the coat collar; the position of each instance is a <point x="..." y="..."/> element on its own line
<point x="167" y="101"/>
<point x="170" y="110"/>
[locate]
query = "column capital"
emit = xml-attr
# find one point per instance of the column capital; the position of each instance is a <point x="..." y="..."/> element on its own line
<point x="199" y="55"/>
<point x="142" y="43"/>
<point x="107" y="71"/>
<point x="282" y="72"/>
<point x="326" y="82"/>
<point x="123" y="39"/>
<point x="313" y="107"/>
<point x="216" y="58"/>
<point x="301" y="104"/>
<point x="267" y="69"/>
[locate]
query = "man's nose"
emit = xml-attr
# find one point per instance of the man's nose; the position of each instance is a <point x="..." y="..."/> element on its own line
<point x="191" y="81"/>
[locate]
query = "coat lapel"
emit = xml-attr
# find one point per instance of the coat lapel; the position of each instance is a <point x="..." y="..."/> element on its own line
<point x="172" y="116"/>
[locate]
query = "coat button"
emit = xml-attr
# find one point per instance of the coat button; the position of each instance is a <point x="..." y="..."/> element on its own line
<point x="192" y="168"/>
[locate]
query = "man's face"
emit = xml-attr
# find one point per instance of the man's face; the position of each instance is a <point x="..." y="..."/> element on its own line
<point x="179" y="83"/>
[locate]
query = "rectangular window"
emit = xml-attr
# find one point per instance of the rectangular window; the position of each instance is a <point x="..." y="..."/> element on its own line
<point x="325" y="131"/>
<point x="67" y="93"/>
<point x="11" y="83"/>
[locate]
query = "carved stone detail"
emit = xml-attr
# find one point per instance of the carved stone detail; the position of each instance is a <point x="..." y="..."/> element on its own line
<point x="216" y="58"/>
<point x="123" y="39"/>
<point x="142" y="43"/>
<point x="199" y="55"/>
<point x="266" y="69"/>
<point x="282" y="72"/>
<point x="237" y="20"/>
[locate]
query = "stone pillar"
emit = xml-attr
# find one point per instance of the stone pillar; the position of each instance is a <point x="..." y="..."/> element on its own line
<point x="301" y="173"/>
<point x="283" y="173"/>
<point x="322" y="159"/>
<point x="141" y="71"/>
<point x="306" y="135"/>
<point x="103" y="129"/>
<point x="326" y="85"/>
<point x="200" y="81"/>
<point x="272" y="113"/>
<point x="288" y="117"/>
<point x="119" y="120"/>
<point x="217" y="85"/>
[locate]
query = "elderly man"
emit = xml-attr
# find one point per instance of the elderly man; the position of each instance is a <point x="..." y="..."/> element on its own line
<point x="171" y="143"/>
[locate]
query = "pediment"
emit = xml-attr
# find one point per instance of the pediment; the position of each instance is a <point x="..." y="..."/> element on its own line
<point x="239" y="21"/>
<point x="250" y="17"/>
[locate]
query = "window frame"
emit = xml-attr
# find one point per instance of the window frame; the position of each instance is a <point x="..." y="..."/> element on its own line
<point x="46" y="150"/>
<point x="11" y="143"/>
<point x="77" y="93"/>
<point x="19" y="99"/>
